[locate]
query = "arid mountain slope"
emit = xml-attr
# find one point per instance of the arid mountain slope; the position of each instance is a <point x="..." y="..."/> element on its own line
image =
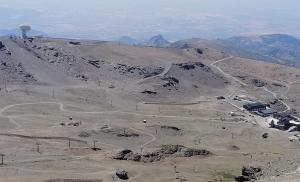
<point x="131" y="70"/>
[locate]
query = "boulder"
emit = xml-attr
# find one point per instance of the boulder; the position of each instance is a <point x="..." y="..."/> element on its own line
<point x="122" y="174"/>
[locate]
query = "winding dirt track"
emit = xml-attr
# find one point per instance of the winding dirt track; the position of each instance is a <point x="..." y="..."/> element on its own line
<point x="61" y="107"/>
<point x="244" y="84"/>
<point x="227" y="74"/>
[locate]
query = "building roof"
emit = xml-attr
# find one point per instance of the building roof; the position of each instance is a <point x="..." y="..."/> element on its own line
<point x="268" y="111"/>
<point x="282" y="114"/>
<point x="255" y="105"/>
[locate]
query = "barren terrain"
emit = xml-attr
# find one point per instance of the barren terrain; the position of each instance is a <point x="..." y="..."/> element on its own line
<point x="75" y="105"/>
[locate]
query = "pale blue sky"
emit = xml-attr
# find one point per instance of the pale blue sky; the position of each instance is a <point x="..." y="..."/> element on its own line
<point x="175" y="19"/>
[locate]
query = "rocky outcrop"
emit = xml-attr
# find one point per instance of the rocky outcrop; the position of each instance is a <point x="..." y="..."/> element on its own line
<point x="164" y="152"/>
<point x="122" y="155"/>
<point x="258" y="83"/>
<point x="192" y="66"/>
<point x="249" y="173"/>
<point x="145" y="72"/>
<point x="171" y="81"/>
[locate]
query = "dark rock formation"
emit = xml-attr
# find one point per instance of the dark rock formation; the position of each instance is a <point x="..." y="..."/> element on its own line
<point x="84" y="134"/>
<point x="249" y="173"/>
<point x="258" y="83"/>
<point x="199" y="51"/>
<point x="128" y="135"/>
<point x="171" y="81"/>
<point x="122" y="154"/>
<point x="170" y="127"/>
<point x="149" y="92"/>
<point x="74" y="43"/>
<point x="164" y="152"/>
<point x="265" y="135"/>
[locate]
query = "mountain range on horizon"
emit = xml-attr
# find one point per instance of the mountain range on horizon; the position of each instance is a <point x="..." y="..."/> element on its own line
<point x="275" y="48"/>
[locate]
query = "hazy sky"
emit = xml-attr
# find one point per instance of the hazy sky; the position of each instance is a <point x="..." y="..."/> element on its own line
<point x="175" y="19"/>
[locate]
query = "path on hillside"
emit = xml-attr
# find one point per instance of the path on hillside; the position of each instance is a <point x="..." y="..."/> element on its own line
<point x="276" y="97"/>
<point x="230" y="77"/>
<point x="242" y="83"/>
<point x="168" y="66"/>
<point x="227" y="74"/>
<point x="288" y="107"/>
<point x="288" y="85"/>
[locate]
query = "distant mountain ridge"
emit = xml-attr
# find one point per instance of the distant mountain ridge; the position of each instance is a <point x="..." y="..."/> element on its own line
<point x="275" y="48"/>
<point x="156" y="41"/>
<point x="128" y="40"/>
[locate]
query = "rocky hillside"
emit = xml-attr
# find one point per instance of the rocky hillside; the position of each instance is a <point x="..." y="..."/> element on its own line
<point x="144" y="72"/>
<point x="12" y="71"/>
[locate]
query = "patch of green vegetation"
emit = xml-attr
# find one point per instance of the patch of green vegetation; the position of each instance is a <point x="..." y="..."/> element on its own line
<point x="223" y="176"/>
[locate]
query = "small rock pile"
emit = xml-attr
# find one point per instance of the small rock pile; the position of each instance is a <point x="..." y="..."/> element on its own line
<point x="164" y="152"/>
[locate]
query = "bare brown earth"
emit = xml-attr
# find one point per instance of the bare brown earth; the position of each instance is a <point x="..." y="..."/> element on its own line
<point x="94" y="93"/>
